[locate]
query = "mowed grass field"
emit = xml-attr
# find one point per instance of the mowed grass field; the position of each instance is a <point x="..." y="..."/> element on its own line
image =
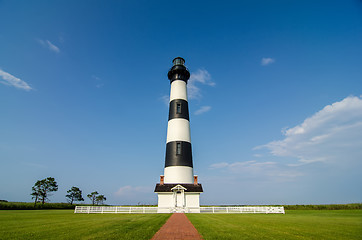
<point x="64" y="224"/>
<point x="295" y="224"/>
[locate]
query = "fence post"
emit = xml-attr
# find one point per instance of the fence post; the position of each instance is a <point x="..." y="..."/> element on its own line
<point x="213" y="209"/>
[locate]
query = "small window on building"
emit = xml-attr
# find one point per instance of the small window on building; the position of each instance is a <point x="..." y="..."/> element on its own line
<point x="178" y="148"/>
<point x="178" y="107"/>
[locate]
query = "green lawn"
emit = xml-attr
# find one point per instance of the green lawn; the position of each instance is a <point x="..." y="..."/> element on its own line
<point x="64" y="224"/>
<point x="295" y="224"/>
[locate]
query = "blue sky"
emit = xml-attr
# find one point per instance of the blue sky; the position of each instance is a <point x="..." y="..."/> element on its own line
<point x="274" y="96"/>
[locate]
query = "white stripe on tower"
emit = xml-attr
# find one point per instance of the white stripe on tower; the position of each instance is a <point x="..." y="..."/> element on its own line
<point x="178" y="129"/>
<point x="178" y="162"/>
<point x="178" y="90"/>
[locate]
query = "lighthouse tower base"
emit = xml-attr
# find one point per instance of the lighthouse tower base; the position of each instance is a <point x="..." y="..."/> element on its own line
<point x="182" y="197"/>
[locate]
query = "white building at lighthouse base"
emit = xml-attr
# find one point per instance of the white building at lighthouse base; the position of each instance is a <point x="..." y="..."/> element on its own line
<point x="178" y="197"/>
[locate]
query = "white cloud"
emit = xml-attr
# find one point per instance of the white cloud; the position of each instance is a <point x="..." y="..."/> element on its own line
<point x="267" y="61"/>
<point x="49" y="45"/>
<point x="219" y="165"/>
<point x="130" y="190"/>
<point x="303" y="161"/>
<point x="165" y="99"/>
<point x="98" y="81"/>
<point x="237" y="165"/>
<point x="317" y="161"/>
<point x="201" y="76"/>
<point x="202" y="110"/>
<point x="35" y="165"/>
<point x="332" y="135"/>
<point x="135" y="194"/>
<point x="10" y="80"/>
<point x="260" y="170"/>
<point x="96" y="78"/>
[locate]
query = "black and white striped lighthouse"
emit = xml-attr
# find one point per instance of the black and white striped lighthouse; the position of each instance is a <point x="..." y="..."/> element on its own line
<point x="178" y="178"/>
<point x="178" y="162"/>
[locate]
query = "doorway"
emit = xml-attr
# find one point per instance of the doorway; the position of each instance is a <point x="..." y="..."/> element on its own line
<point x="179" y="200"/>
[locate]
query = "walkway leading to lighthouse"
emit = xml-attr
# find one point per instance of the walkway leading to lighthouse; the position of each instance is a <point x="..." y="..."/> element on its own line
<point x="177" y="227"/>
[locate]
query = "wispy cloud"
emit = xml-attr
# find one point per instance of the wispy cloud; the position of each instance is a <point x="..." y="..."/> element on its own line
<point x="49" y="45"/>
<point x="237" y="166"/>
<point x="197" y="79"/>
<point x="331" y="138"/>
<point x="255" y="169"/>
<point x="165" y="99"/>
<point x="332" y="135"/>
<point x="35" y="165"/>
<point x="10" y="80"/>
<point x="202" y="77"/>
<point x="202" y="110"/>
<point x="130" y="190"/>
<point x="267" y="61"/>
<point x="131" y="194"/>
<point x="98" y="81"/>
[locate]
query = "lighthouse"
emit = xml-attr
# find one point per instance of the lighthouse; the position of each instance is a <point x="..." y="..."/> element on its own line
<point x="178" y="190"/>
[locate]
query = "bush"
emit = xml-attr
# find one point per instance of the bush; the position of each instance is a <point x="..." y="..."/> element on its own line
<point x="304" y="207"/>
<point x="325" y="207"/>
<point x="30" y="206"/>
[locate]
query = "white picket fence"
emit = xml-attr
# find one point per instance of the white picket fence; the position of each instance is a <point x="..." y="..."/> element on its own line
<point x="218" y="209"/>
<point x="114" y="209"/>
<point x="212" y="209"/>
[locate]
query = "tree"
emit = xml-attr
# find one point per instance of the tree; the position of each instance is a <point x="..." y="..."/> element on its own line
<point x="92" y="196"/>
<point x="96" y="199"/>
<point x="75" y="194"/>
<point x="42" y="189"/>
<point x="35" y="194"/>
<point x="100" y="199"/>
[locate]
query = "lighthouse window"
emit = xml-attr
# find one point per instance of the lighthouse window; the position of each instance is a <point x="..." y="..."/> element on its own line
<point x="178" y="148"/>
<point x="178" y="107"/>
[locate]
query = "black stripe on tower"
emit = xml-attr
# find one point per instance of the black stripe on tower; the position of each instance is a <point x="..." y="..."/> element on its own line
<point x="178" y="153"/>
<point x="179" y="108"/>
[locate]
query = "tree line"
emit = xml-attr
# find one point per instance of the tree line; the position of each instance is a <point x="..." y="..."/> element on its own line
<point x="43" y="189"/>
